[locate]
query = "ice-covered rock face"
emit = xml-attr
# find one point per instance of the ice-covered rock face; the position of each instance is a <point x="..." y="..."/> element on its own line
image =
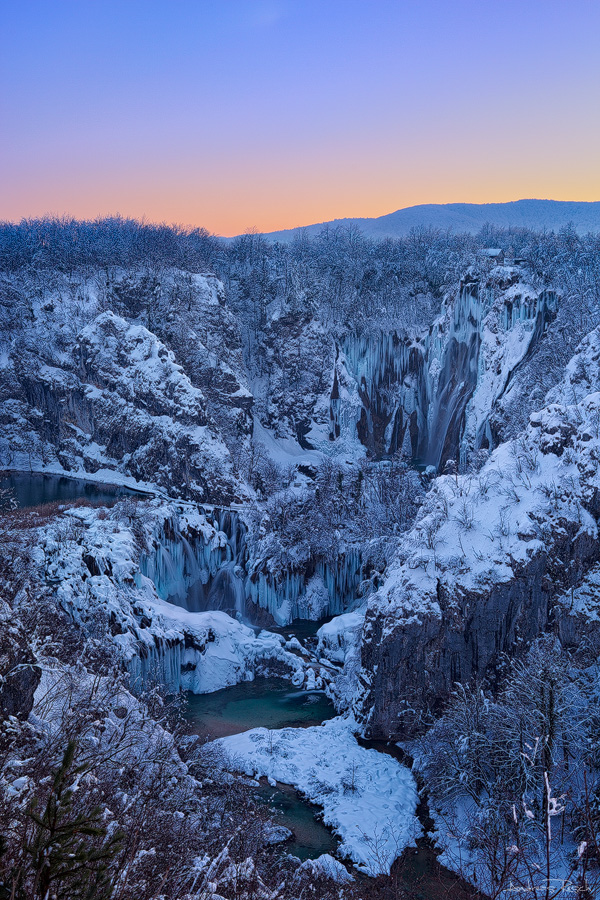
<point x="206" y="566"/>
<point x="388" y="387"/>
<point x="432" y="397"/>
<point x="320" y="588"/>
<point x="487" y="556"/>
<point x="199" y="564"/>
<point x="96" y="564"/>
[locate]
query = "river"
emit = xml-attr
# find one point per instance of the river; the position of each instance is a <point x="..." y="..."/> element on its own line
<point x="33" y="489"/>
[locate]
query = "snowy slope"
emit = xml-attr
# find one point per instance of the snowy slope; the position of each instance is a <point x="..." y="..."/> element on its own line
<point x="470" y="217"/>
<point x="84" y="388"/>
<point x="475" y="575"/>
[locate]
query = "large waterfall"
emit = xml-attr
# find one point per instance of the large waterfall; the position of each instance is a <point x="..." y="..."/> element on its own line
<point x="388" y="371"/>
<point x="413" y="395"/>
<point x="454" y="377"/>
<point x="393" y="393"/>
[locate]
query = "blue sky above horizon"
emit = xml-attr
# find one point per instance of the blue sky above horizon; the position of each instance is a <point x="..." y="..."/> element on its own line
<point x="277" y="113"/>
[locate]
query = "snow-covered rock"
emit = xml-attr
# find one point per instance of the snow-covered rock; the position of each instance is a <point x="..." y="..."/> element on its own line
<point x="93" y="560"/>
<point x="326" y="866"/>
<point x="475" y="576"/>
<point x="367" y="797"/>
<point x="339" y="638"/>
<point x="85" y="388"/>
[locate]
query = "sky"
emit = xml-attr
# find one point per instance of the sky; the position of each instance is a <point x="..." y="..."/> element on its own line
<point x="269" y="114"/>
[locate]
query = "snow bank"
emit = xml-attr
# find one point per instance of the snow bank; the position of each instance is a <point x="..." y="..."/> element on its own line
<point x="368" y="798"/>
<point x="339" y="638"/>
<point x="208" y="651"/>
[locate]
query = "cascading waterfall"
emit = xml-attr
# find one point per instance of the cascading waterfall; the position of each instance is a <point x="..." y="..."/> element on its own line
<point x="414" y="395"/>
<point x="185" y="665"/>
<point x="198" y="570"/>
<point x="190" y="569"/>
<point x="393" y="393"/>
<point x="227" y="592"/>
<point x="321" y="589"/>
<point x="457" y="376"/>
<point x="388" y="371"/>
<point x="161" y="664"/>
<point x="207" y="570"/>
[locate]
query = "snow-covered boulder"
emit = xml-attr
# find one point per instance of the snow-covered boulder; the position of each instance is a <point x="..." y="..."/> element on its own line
<point x="326" y="866"/>
<point x="338" y="639"/>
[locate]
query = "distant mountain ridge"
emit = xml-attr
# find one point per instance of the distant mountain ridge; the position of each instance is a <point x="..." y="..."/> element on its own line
<point x="470" y="217"/>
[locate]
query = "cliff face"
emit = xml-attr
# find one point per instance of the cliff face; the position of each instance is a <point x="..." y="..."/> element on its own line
<point x="414" y="667"/>
<point x="489" y="554"/>
<point x="432" y="396"/>
<point x="86" y="385"/>
<point x="149" y="374"/>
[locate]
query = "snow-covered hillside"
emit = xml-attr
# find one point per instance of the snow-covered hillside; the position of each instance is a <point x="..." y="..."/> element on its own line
<point x="488" y="554"/>
<point x="535" y="214"/>
<point x="88" y="388"/>
<point x="398" y="442"/>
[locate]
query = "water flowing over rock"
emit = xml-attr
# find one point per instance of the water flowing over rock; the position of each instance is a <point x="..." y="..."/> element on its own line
<point x="432" y="396"/>
<point x="200" y="568"/>
<point x="208" y="568"/>
<point x="322" y="588"/>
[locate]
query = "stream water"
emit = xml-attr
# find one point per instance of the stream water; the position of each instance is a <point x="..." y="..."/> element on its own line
<point x="311" y="838"/>
<point x="271" y="703"/>
<point x="266" y="702"/>
<point x="30" y="489"/>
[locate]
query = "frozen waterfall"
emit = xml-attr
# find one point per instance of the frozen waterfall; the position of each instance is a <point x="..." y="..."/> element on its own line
<point x="201" y="569"/>
<point x="323" y="589"/>
<point x="207" y="568"/>
<point x="413" y="395"/>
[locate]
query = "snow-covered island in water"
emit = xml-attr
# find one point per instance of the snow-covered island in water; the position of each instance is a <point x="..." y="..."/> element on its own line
<point x="300" y="563"/>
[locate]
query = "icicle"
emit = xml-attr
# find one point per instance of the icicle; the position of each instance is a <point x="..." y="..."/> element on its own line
<point x="185" y="569"/>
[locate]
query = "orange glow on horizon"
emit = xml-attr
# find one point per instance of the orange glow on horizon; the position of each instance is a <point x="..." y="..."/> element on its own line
<point x="233" y="212"/>
<point x="275" y="114"/>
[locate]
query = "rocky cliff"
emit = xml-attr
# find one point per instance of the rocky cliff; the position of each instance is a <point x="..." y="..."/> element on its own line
<point x="489" y="553"/>
<point x="86" y="385"/>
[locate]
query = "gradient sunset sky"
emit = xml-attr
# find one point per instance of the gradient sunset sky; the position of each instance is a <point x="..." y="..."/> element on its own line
<point x="274" y="113"/>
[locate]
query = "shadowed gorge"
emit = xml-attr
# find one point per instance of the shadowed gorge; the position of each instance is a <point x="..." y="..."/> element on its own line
<point x="330" y="494"/>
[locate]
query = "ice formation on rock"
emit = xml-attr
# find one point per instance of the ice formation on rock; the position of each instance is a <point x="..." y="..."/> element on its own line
<point x="420" y="394"/>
